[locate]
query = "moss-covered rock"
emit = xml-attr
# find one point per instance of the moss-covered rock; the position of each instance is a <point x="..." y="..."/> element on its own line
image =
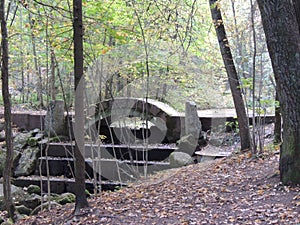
<point x="22" y="209"/>
<point x="20" y="140"/>
<point x="33" y="189"/>
<point x="65" y="198"/>
<point x="34" y="141"/>
<point x="32" y="201"/>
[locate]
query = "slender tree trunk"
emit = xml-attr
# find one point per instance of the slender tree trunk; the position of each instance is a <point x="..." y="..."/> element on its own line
<point x="232" y="76"/>
<point x="81" y="200"/>
<point x="36" y="64"/>
<point x="7" y="116"/>
<point x="52" y="78"/>
<point x="254" y="145"/>
<point x="281" y="27"/>
<point x="22" y="62"/>
<point x="28" y="81"/>
<point x="296" y="6"/>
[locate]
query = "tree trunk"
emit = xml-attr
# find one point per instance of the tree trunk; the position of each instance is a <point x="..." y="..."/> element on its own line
<point x="232" y="76"/>
<point x="7" y="116"/>
<point x="81" y="200"/>
<point x="36" y="64"/>
<point x="283" y="40"/>
<point x="52" y="78"/>
<point x="277" y="127"/>
<point x="296" y="5"/>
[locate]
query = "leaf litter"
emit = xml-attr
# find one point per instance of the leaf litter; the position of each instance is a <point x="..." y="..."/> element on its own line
<point x="234" y="190"/>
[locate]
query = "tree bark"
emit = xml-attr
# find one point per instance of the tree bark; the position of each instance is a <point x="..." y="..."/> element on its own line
<point x="52" y="78"/>
<point x="277" y="127"/>
<point x="296" y="5"/>
<point x="7" y="116"/>
<point x="79" y="151"/>
<point x="281" y="28"/>
<point x="232" y="76"/>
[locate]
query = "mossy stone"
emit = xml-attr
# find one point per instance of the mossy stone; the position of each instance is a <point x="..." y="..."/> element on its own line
<point x="22" y="209"/>
<point x="34" y="189"/>
<point x="66" y="198"/>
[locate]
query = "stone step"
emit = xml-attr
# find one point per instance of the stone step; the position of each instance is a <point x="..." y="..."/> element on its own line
<point x="208" y="155"/>
<point x="108" y="168"/>
<point x="123" y="152"/>
<point x="61" y="185"/>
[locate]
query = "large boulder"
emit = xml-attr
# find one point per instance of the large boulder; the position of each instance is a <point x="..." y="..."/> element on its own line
<point x="187" y="144"/>
<point x="27" y="162"/>
<point x="179" y="159"/>
<point x="20" y="140"/>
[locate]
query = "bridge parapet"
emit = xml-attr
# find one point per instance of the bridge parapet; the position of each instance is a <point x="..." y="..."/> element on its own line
<point x="158" y="113"/>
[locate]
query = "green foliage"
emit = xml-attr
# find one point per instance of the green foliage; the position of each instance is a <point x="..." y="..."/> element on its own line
<point x="181" y="46"/>
<point x="232" y="125"/>
<point x="247" y="83"/>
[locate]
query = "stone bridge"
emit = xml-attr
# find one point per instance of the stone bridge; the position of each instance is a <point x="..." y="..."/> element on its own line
<point x="164" y="119"/>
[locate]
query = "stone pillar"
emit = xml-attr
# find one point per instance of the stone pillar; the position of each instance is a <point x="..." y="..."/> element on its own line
<point x="192" y="133"/>
<point x="192" y="122"/>
<point x="55" y="119"/>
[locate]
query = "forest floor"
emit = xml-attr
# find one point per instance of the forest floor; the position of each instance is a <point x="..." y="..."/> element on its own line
<point x="235" y="190"/>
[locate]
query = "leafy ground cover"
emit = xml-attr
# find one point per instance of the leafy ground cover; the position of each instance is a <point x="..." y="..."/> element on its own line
<point x="236" y="190"/>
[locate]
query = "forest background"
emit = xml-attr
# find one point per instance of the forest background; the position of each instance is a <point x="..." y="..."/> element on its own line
<point x="181" y="48"/>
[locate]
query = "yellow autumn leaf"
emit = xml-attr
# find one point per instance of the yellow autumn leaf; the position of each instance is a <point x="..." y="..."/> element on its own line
<point x="260" y="192"/>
